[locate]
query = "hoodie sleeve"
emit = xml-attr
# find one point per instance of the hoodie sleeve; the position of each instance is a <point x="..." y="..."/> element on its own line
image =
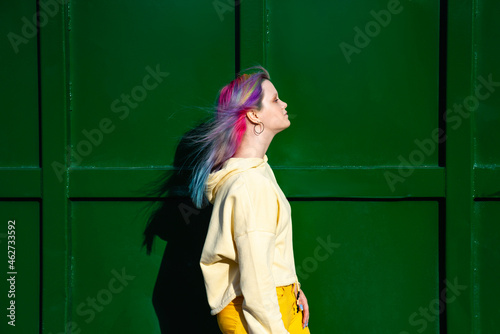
<point x="255" y="217"/>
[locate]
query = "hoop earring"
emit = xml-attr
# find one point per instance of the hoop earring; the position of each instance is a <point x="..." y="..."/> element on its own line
<point x="255" y="127"/>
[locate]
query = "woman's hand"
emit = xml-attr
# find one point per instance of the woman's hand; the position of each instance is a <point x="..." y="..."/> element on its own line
<point x="302" y="302"/>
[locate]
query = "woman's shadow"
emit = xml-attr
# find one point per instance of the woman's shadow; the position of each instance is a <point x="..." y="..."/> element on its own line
<point x="179" y="296"/>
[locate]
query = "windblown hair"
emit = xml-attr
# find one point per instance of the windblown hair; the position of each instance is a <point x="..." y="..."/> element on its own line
<point x="220" y="137"/>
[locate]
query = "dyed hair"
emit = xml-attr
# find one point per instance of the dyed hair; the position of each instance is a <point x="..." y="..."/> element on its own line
<point x="220" y="137"/>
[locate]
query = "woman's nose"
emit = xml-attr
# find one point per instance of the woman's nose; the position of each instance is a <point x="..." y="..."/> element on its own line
<point x="286" y="105"/>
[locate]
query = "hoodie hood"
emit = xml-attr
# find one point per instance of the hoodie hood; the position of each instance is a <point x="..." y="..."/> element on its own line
<point x="231" y="167"/>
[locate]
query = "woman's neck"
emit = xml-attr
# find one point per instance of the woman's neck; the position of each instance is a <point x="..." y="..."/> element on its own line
<point x="253" y="146"/>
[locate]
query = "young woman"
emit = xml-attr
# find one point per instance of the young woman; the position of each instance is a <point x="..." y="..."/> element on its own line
<point x="247" y="259"/>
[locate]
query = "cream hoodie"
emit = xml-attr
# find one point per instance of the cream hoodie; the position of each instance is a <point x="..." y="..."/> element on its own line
<point x="248" y="249"/>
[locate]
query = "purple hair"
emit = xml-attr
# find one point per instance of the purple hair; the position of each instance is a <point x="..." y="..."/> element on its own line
<point x="222" y="135"/>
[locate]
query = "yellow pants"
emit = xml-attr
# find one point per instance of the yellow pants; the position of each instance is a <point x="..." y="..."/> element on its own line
<point x="232" y="321"/>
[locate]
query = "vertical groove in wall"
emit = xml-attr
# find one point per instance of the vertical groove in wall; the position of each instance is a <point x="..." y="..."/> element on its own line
<point x="475" y="316"/>
<point x="68" y="110"/>
<point x="442" y="103"/>
<point x="40" y="152"/>
<point x="40" y="268"/>
<point x="443" y="48"/>
<point x="266" y="33"/>
<point x="65" y="12"/>
<point x="237" y="37"/>
<point x="443" y="327"/>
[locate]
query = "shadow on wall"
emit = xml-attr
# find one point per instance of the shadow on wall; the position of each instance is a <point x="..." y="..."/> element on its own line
<point x="179" y="296"/>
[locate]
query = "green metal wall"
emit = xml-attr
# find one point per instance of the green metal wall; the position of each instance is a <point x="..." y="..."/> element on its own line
<point x="396" y="224"/>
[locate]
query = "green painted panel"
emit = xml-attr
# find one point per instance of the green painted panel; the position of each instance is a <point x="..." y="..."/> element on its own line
<point x="20" y="182"/>
<point x="18" y="85"/>
<point x="112" y="278"/>
<point x="486" y="266"/>
<point x="376" y="106"/>
<point x="368" y="267"/>
<point x="137" y="72"/>
<point x="487" y="181"/>
<point x="20" y="285"/>
<point x="487" y="83"/>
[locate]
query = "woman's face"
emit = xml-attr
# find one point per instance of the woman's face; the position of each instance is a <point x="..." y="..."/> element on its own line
<point x="273" y="113"/>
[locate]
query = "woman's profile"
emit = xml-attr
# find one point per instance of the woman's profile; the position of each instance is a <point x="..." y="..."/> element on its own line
<point x="247" y="259"/>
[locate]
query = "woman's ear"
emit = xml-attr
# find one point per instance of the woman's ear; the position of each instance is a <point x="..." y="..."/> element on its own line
<point x="253" y="116"/>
